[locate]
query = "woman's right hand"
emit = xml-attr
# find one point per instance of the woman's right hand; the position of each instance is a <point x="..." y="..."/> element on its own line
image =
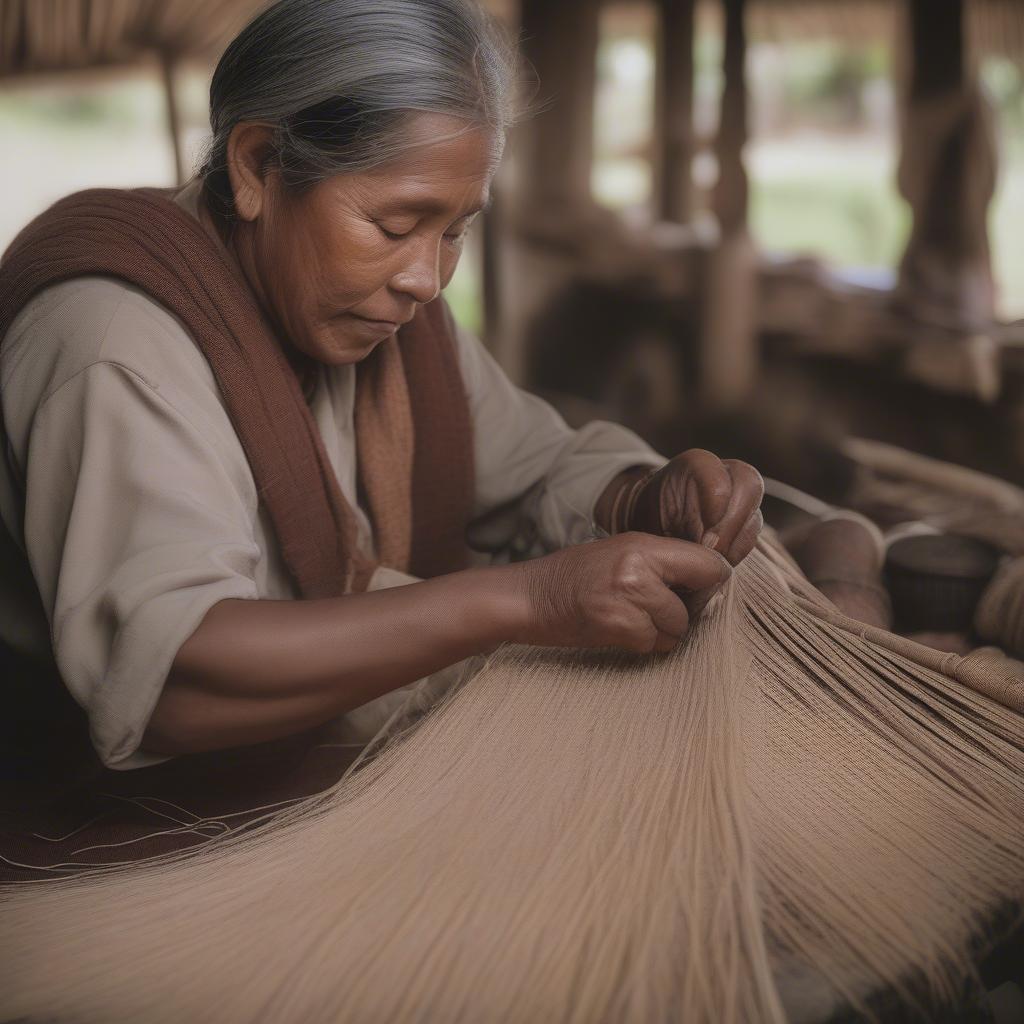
<point x="618" y="592"/>
<point x="254" y="671"/>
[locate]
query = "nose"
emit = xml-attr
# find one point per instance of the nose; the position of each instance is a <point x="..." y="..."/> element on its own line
<point x="420" y="277"/>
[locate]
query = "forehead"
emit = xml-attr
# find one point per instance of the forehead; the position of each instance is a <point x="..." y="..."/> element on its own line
<point x="449" y="169"/>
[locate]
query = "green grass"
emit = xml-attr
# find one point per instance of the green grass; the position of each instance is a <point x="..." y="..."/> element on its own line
<point x="465" y="291"/>
<point x="1006" y="216"/>
<point x="830" y="201"/>
<point x="841" y="220"/>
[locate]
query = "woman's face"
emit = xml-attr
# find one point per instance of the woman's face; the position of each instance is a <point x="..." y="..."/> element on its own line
<point x="343" y="265"/>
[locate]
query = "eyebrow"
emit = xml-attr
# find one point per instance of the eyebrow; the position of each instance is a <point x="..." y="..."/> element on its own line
<point x="432" y="206"/>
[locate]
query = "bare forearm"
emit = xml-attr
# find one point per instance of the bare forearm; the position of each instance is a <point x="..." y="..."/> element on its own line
<point x="258" y="670"/>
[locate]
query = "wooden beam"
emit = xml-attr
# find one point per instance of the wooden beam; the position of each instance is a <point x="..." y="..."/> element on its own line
<point x="729" y="357"/>
<point x="947" y="173"/>
<point x="729" y="200"/>
<point x="560" y="41"/>
<point x="936" y="29"/>
<point x="674" y="138"/>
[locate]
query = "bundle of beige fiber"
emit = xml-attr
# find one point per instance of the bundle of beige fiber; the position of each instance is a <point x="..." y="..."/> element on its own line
<point x="788" y="813"/>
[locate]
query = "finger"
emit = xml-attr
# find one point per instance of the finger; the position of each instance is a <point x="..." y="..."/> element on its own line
<point x="746" y="539"/>
<point x="665" y="643"/>
<point x="684" y="565"/>
<point x="747" y="492"/>
<point x="668" y="613"/>
<point x="712" y="484"/>
<point x="651" y="639"/>
<point x="690" y="526"/>
<point x="697" y="602"/>
<point x="640" y="637"/>
<point x="675" y="504"/>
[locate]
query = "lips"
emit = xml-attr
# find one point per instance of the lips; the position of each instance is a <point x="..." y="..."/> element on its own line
<point x="384" y="324"/>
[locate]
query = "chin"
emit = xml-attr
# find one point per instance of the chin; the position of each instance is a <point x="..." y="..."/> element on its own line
<point x="337" y="347"/>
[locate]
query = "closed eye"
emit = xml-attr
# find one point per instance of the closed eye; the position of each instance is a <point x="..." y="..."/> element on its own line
<point x="394" y="236"/>
<point x="452" y="237"/>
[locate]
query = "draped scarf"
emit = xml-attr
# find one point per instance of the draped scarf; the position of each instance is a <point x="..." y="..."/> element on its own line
<point x="412" y="420"/>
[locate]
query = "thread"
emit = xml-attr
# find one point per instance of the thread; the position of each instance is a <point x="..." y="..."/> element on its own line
<point x="787" y="811"/>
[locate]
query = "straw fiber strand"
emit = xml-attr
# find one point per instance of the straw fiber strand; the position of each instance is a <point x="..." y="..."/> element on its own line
<point x="780" y="804"/>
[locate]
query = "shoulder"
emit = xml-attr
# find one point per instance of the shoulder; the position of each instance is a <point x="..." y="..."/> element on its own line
<point x="69" y="327"/>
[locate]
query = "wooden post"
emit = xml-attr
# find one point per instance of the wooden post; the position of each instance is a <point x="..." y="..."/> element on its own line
<point x="674" y="139"/>
<point x="560" y="41"/>
<point x="937" y="44"/>
<point x="729" y="356"/>
<point x="947" y="173"/>
<point x="550" y="215"/>
<point x="167" y="63"/>
<point x="729" y="200"/>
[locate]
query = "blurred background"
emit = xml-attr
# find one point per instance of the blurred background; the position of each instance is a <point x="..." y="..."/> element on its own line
<point x="778" y="228"/>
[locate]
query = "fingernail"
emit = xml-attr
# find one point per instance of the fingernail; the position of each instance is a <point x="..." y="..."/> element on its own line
<point x="710" y="539"/>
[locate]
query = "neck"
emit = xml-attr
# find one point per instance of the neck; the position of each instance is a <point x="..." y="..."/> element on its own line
<point x="238" y="241"/>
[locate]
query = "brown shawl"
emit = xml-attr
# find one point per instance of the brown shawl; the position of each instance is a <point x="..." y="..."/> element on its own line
<point x="413" y="427"/>
<point x="414" y="452"/>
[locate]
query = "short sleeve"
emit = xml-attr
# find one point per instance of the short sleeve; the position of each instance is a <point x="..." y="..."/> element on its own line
<point x="134" y="527"/>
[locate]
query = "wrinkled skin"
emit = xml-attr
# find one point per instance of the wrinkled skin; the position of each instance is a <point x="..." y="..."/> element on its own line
<point x="698" y="497"/>
<point x="620" y="592"/>
<point x="338" y="268"/>
<point x="342" y="265"/>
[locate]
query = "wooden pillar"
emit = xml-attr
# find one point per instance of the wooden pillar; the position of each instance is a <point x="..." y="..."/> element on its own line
<point x="729" y="355"/>
<point x="947" y="172"/>
<point x="937" y="43"/>
<point x="560" y="41"/>
<point x="167" y="64"/>
<point x="550" y="217"/>
<point x="729" y="199"/>
<point x="674" y="138"/>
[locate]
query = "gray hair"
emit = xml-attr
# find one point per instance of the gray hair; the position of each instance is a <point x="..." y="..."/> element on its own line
<point x="337" y="81"/>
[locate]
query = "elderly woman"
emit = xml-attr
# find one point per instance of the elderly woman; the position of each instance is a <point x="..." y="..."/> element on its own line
<point x="242" y="428"/>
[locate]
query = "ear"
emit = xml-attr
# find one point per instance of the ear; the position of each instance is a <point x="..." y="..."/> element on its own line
<point x="249" y="147"/>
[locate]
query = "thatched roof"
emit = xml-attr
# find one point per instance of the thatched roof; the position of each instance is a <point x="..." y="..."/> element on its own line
<point x="61" y="35"/>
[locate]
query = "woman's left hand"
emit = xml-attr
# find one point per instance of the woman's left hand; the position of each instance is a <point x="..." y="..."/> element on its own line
<point x="698" y="497"/>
